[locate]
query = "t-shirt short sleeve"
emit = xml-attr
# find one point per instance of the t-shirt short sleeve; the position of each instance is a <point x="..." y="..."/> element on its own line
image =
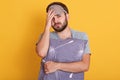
<point x="83" y="36"/>
<point x="87" y="49"/>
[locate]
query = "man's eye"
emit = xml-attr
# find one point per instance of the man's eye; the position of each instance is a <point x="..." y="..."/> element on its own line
<point x="58" y="16"/>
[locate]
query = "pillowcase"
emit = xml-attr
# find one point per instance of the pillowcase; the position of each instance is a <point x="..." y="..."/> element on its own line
<point x="68" y="50"/>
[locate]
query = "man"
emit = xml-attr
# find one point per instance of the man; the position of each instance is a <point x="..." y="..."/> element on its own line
<point x="57" y="18"/>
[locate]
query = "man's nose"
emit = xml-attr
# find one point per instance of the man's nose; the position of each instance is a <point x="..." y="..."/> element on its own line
<point x="55" y="19"/>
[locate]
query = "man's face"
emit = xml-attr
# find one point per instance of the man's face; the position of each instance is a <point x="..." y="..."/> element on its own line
<point x="59" y="22"/>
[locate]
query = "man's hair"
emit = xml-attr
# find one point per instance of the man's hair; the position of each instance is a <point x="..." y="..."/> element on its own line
<point x="60" y="4"/>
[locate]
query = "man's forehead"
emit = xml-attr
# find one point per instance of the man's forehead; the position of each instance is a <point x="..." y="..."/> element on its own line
<point x="58" y="9"/>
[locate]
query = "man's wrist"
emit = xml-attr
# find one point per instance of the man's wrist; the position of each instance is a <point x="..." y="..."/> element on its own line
<point x="59" y="66"/>
<point x="47" y="30"/>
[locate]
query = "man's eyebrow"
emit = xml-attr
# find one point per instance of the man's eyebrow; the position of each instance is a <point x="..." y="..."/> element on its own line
<point x="58" y="15"/>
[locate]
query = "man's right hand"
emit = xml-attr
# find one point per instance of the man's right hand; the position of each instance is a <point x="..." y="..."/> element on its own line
<point x="50" y="16"/>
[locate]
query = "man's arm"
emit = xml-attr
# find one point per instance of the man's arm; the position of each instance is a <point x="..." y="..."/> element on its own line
<point x="43" y="44"/>
<point x="79" y="66"/>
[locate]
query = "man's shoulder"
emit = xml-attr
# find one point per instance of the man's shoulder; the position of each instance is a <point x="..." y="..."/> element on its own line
<point x="79" y="34"/>
<point x="53" y="34"/>
<point x="75" y="34"/>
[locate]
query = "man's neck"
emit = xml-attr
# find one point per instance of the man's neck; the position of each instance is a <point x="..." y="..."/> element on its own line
<point x="65" y="33"/>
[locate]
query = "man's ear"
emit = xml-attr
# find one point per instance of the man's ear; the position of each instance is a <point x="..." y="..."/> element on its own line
<point x="67" y="16"/>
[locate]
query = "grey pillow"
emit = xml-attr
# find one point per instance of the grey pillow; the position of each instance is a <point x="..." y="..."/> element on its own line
<point x="68" y="50"/>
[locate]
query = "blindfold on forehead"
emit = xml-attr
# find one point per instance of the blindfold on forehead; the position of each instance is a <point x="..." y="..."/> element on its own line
<point x="58" y="9"/>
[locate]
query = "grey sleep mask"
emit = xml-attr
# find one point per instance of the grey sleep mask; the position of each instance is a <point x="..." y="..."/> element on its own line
<point x="58" y="9"/>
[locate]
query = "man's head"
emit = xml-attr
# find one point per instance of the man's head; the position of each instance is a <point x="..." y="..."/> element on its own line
<point x="60" y="20"/>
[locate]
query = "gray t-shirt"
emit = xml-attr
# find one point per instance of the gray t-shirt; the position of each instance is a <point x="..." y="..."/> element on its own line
<point x="55" y="41"/>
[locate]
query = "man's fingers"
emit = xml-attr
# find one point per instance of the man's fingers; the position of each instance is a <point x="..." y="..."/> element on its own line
<point x="45" y="68"/>
<point x="51" y="16"/>
<point x="47" y="72"/>
<point x="50" y="12"/>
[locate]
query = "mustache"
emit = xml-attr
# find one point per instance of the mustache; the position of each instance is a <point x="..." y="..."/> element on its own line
<point x="58" y="23"/>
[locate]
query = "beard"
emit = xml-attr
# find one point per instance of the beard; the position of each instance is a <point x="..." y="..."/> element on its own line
<point x="65" y="23"/>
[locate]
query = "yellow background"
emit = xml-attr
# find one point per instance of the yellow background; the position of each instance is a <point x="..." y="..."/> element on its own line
<point x="22" y="21"/>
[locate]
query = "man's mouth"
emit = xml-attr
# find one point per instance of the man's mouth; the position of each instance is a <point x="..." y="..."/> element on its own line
<point x="57" y="25"/>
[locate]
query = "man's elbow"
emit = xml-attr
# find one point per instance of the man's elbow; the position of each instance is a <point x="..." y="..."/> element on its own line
<point x="86" y="68"/>
<point x="40" y="53"/>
